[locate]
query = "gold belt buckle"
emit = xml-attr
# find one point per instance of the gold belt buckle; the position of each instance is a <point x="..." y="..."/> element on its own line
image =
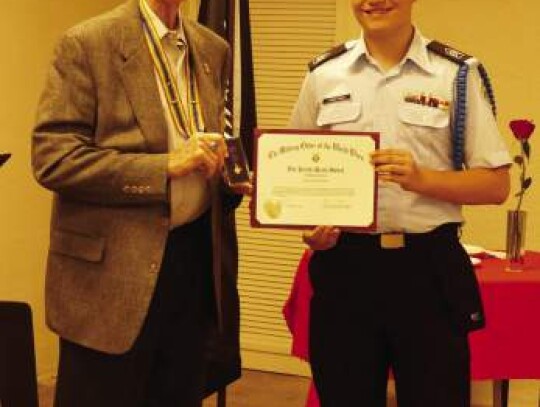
<point x="392" y="240"/>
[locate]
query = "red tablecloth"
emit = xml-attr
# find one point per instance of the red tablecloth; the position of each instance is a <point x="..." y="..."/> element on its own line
<point x="509" y="346"/>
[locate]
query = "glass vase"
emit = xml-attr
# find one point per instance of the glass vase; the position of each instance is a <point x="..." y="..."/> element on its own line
<point x="516" y="222"/>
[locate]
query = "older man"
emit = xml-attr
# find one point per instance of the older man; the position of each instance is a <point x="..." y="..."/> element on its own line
<point x="142" y="233"/>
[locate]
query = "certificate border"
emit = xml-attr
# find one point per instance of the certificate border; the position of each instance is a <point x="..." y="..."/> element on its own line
<point x="257" y="133"/>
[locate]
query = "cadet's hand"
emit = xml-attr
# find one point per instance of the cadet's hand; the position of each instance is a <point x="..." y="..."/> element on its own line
<point x="394" y="165"/>
<point x="321" y="238"/>
<point x="205" y="152"/>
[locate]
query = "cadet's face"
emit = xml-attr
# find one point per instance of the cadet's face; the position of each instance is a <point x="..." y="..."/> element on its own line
<point x="382" y="15"/>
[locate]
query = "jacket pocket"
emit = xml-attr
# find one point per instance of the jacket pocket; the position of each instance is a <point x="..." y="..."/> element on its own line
<point x="76" y="245"/>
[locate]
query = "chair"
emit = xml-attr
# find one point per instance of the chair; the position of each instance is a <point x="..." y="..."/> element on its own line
<point x="18" y="380"/>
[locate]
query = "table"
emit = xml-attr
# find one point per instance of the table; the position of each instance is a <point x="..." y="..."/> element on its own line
<point x="509" y="346"/>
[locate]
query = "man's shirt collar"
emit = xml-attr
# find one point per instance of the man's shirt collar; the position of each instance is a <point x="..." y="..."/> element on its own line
<point x="417" y="53"/>
<point x="162" y="30"/>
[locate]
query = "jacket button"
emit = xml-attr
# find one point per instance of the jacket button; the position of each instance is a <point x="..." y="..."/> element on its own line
<point x="126" y="189"/>
<point x="153" y="268"/>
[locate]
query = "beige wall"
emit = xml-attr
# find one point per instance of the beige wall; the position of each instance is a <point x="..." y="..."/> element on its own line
<point x="27" y="35"/>
<point x="505" y="36"/>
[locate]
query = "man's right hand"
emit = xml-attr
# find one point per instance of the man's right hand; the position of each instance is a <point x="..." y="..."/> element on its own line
<point x="321" y="238"/>
<point x="205" y="152"/>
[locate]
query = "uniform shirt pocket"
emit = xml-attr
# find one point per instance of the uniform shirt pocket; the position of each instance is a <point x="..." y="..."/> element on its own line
<point x="425" y="131"/>
<point x="424" y="116"/>
<point x="338" y="112"/>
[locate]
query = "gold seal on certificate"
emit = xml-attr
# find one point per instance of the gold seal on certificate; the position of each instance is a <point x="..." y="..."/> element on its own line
<point x="309" y="178"/>
<point x="236" y="164"/>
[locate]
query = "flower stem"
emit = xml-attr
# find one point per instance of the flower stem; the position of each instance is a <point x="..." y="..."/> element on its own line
<point x="522" y="176"/>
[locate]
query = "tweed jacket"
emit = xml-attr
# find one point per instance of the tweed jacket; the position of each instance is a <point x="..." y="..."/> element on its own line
<point x="100" y="144"/>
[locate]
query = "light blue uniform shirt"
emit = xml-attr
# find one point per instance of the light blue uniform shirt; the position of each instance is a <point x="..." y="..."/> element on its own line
<point x="410" y="106"/>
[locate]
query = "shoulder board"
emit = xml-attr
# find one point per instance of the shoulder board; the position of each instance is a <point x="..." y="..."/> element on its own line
<point x="327" y="56"/>
<point x="448" y="52"/>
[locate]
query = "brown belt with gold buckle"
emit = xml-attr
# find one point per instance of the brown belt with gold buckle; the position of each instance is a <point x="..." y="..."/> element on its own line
<point x="392" y="240"/>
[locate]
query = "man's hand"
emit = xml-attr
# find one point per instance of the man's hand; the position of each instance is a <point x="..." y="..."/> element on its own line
<point x="204" y="152"/>
<point x="394" y="165"/>
<point x="321" y="238"/>
<point x="243" y="188"/>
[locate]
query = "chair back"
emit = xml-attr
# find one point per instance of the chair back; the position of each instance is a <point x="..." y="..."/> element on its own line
<point x="18" y="380"/>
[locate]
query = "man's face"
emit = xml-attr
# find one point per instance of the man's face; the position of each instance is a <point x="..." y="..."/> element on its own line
<point x="380" y="16"/>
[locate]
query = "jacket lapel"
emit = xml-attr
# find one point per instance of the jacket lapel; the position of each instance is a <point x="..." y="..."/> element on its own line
<point x="137" y="74"/>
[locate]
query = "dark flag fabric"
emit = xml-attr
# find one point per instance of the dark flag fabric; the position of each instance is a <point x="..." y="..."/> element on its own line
<point x="214" y="14"/>
<point x="248" y="114"/>
<point x="218" y="15"/>
<point x="223" y="350"/>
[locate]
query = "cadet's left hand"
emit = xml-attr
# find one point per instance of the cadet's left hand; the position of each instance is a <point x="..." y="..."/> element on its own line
<point x="396" y="165"/>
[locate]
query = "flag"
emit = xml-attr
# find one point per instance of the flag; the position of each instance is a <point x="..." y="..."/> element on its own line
<point x="218" y="15"/>
<point x="248" y="113"/>
<point x="223" y="350"/>
<point x="215" y="15"/>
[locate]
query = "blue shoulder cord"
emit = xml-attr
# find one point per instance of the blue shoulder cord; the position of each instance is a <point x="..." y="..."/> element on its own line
<point x="460" y="111"/>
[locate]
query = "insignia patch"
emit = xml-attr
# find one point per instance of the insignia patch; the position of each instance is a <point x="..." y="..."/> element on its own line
<point x="327" y="56"/>
<point x="427" y="100"/>
<point x="448" y="52"/>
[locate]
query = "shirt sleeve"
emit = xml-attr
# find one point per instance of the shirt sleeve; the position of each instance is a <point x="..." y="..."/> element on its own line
<point x="304" y="114"/>
<point x="484" y="145"/>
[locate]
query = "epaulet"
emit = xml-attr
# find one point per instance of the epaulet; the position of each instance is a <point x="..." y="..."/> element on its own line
<point x="327" y="56"/>
<point x="448" y="52"/>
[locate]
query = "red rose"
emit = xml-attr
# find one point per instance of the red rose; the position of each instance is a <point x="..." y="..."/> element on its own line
<point x="522" y="129"/>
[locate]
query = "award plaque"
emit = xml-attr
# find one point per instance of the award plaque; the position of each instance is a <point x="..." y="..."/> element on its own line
<point x="236" y="164"/>
<point x="310" y="178"/>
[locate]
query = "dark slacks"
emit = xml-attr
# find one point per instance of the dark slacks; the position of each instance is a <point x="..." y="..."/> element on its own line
<point x="377" y="309"/>
<point x="165" y="366"/>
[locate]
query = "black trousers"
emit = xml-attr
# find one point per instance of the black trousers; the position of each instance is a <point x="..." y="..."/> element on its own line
<point x="165" y="366"/>
<point x="377" y="309"/>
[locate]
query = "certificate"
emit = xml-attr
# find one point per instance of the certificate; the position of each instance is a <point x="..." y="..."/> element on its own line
<point x="310" y="178"/>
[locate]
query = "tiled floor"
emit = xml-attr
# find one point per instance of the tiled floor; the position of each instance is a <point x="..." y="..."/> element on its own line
<point x="259" y="389"/>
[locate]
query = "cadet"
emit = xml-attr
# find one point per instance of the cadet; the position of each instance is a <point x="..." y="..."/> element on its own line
<point x="406" y="296"/>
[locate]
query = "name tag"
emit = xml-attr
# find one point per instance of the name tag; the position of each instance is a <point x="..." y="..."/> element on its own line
<point x="337" y="98"/>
